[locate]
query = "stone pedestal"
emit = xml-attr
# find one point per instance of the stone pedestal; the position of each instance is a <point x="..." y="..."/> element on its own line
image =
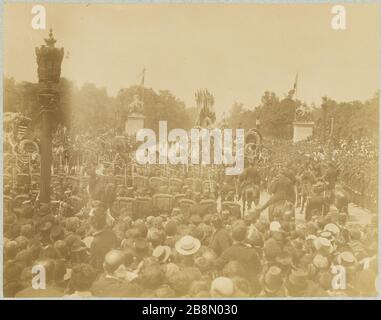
<point x="134" y="123"/>
<point x="302" y="130"/>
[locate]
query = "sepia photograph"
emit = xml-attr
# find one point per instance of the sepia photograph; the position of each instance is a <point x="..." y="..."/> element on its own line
<point x="190" y="150"/>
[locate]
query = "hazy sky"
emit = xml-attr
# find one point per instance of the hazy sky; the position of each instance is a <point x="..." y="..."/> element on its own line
<point x="237" y="51"/>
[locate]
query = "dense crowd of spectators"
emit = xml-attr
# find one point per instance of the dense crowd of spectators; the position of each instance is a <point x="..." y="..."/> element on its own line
<point x="90" y="243"/>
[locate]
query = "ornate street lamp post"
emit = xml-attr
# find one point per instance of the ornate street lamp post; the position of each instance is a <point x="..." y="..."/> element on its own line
<point x="49" y="59"/>
<point x="324" y="107"/>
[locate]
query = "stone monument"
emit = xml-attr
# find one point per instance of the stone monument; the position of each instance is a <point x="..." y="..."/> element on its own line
<point x="135" y="118"/>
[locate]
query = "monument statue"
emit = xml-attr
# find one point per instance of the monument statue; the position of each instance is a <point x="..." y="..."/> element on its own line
<point x="136" y="106"/>
<point x="205" y="102"/>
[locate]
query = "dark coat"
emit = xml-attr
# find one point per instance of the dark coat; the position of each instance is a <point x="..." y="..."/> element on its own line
<point x="108" y="286"/>
<point x="221" y="240"/>
<point x="247" y="256"/>
<point x="103" y="242"/>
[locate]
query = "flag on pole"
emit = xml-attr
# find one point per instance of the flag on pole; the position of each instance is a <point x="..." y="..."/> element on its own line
<point x="295" y="85"/>
<point x="142" y="76"/>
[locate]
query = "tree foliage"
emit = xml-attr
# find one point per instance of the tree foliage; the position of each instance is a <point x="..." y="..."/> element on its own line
<point x="89" y="109"/>
<point x="157" y="106"/>
<point x="348" y="119"/>
<point x="352" y="119"/>
<point x="275" y="116"/>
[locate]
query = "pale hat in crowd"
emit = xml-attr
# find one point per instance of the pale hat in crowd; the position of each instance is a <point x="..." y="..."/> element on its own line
<point x="26" y="202"/>
<point x="333" y="228"/>
<point x="88" y="241"/>
<point x="138" y="222"/>
<point x="275" y="226"/>
<point x="187" y="245"/>
<point x="222" y="287"/>
<point x="323" y="244"/>
<point x="326" y="234"/>
<point x="346" y="258"/>
<point x="154" y="234"/>
<point x="320" y="262"/>
<point x="311" y="237"/>
<point x="114" y="258"/>
<point x="162" y="253"/>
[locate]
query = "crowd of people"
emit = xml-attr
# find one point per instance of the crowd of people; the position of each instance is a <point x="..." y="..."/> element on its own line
<point x="131" y="231"/>
<point x="356" y="161"/>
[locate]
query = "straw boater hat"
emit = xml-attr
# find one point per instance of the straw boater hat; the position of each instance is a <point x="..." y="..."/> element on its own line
<point x="326" y="234"/>
<point x="346" y="259"/>
<point x="323" y="245"/>
<point x="275" y="226"/>
<point x="88" y="241"/>
<point x="187" y="245"/>
<point x="162" y="253"/>
<point x="222" y="287"/>
<point x="333" y="228"/>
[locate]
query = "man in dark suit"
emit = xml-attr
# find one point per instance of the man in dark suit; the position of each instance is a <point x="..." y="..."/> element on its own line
<point x="244" y="254"/>
<point x="104" y="239"/>
<point x="221" y="239"/>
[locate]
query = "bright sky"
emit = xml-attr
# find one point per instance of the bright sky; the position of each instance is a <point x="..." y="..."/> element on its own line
<point x="237" y="51"/>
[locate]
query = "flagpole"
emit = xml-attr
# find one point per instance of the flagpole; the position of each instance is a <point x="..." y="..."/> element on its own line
<point x="296" y="93"/>
<point x="142" y="83"/>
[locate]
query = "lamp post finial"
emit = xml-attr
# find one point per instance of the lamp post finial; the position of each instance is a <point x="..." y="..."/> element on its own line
<point x="50" y="41"/>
